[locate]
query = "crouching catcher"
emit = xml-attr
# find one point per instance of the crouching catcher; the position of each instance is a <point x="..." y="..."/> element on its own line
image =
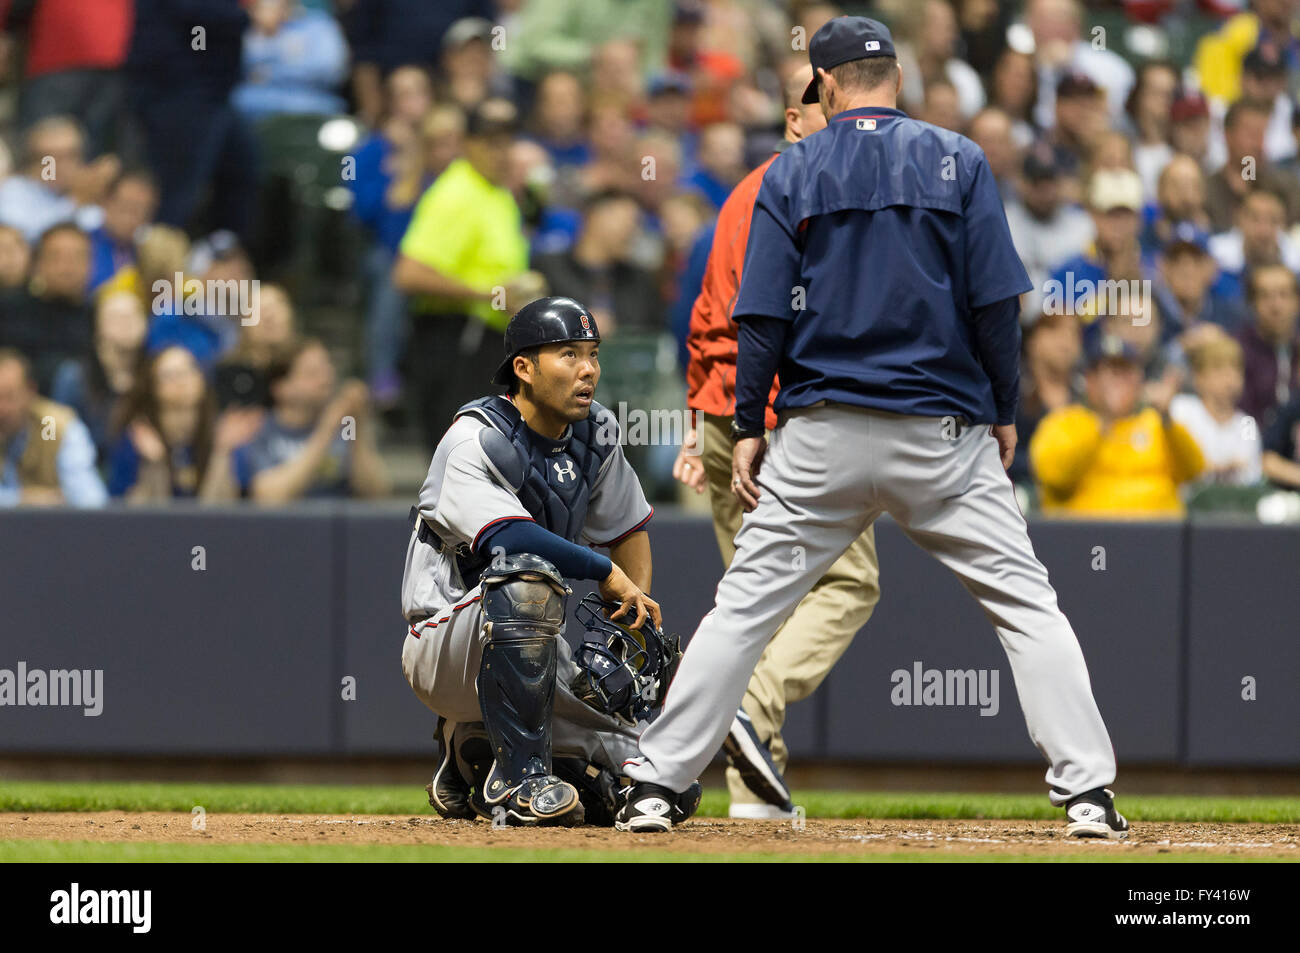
<point x="523" y="489"/>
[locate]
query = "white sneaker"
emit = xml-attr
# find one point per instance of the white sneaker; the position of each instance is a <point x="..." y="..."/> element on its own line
<point x="1093" y="814"/>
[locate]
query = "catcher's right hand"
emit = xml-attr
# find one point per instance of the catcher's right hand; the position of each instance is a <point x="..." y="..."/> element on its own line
<point x="617" y="587"/>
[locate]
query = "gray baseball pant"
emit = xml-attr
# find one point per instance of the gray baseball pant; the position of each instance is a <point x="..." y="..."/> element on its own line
<point x="829" y="471"/>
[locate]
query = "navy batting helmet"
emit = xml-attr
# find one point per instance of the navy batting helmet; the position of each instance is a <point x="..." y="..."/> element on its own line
<point x="623" y="671"/>
<point x="551" y="320"/>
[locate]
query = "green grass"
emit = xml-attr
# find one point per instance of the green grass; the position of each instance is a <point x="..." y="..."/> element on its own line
<point x="409" y="800"/>
<point x="26" y="851"/>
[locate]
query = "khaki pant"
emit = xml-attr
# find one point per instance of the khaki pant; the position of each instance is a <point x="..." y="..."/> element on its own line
<point x="815" y="635"/>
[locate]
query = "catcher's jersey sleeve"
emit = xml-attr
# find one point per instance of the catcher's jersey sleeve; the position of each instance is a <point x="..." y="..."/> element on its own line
<point x="618" y="506"/>
<point x="472" y="499"/>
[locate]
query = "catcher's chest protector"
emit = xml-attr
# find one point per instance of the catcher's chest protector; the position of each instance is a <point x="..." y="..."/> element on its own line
<point x="557" y="475"/>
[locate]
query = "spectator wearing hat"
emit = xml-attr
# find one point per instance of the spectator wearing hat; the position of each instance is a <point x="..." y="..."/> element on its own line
<point x="1269" y="342"/>
<point x="1139" y="323"/>
<point x="464" y="263"/>
<point x="712" y="73"/>
<point x="470" y="70"/>
<point x="1228" y="438"/>
<point x="1049" y="380"/>
<point x="1189" y="127"/>
<point x="182" y="318"/>
<point x="387" y="34"/>
<point x="1080" y="121"/>
<point x="1184" y="286"/>
<point x="1263" y="81"/>
<point x="1282" y="446"/>
<point x="667" y="112"/>
<point x="1060" y="46"/>
<point x="46" y="454"/>
<point x="1111" y="457"/>
<point x="1115" y="204"/>
<point x="1180" y="199"/>
<point x="1244" y="128"/>
<point x="1046" y="230"/>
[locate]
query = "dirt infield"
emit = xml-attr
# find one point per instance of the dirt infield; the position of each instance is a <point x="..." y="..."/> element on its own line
<point x="700" y="836"/>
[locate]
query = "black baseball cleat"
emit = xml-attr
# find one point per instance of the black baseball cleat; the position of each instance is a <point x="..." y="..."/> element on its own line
<point x="449" y="795"/>
<point x="1093" y="814"/>
<point x="751" y="757"/>
<point x="652" y="809"/>
<point x="688" y="802"/>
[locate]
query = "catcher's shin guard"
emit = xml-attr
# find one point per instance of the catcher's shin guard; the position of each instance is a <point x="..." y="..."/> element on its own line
<point x="523" y="603"/>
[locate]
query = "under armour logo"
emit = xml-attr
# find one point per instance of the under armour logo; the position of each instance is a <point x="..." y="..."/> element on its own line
<point x="565" y="471"/>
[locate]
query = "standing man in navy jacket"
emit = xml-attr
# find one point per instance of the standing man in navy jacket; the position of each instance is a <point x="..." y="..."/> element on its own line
<point x="881" y="281"/>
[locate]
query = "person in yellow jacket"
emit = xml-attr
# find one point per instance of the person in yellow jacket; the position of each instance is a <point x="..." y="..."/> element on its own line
<point x="1219" y="55"/>
<point x="1114" y="458"/>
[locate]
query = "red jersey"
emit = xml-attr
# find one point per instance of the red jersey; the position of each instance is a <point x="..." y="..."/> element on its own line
<point x="712" y="342"/>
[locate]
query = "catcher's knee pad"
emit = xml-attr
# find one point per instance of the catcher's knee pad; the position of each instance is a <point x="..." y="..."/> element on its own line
<point x="523" y="601"/>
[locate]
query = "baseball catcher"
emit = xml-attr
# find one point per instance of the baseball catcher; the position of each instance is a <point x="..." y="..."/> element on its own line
<point x="520" y="490"/>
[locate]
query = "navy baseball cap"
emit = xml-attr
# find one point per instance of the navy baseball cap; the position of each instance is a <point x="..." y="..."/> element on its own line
<point x="1041" y="163"/>
<point x="1109" y="347"/>
<point x="842" y="40"/>
<point x="1187" y="233"/>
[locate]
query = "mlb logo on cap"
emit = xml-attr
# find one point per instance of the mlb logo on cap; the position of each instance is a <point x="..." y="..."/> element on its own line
<point x="872" y="45"/>
<point x="867" y="124"/>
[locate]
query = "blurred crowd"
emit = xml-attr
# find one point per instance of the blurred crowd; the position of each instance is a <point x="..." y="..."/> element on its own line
<point x="482" y="153"/>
